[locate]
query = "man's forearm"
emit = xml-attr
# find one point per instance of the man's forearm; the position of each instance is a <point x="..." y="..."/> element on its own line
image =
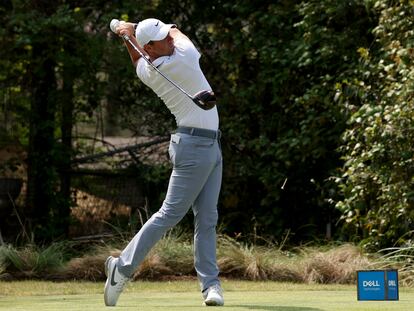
<point x="126" y="28"/>
<point x="135" y="56"/>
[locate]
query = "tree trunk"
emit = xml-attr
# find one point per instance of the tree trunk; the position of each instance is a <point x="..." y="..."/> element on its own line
<point x="42" y="182"/>
<point x="41" y="166"/>
<point x="64" y="167"/>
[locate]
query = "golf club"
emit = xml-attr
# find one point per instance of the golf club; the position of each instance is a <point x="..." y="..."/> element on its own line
<point x="284" y="183"/>
<point x="206" y="100"/>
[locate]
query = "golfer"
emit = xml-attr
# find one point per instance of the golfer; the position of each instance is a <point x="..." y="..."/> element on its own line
<point x="194" y="152"/>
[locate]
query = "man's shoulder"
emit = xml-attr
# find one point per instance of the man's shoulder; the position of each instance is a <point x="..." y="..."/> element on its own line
<point x="176" y="34"/>
<point x="183" y="43"/>
<point x="184" y="48"/>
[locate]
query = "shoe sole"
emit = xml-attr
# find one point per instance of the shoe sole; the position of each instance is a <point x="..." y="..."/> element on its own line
<point x="212" y="303"/>
<point x="107" y="264"/>
<point x="107" y="280"/>
<point x="105" y="295"/>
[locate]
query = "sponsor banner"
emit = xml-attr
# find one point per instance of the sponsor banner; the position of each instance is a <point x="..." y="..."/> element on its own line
<point x="377" y="285"/>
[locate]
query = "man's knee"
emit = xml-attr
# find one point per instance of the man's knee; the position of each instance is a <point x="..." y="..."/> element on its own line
<point x="170" y="214"/>
<point x="206" y="221"/>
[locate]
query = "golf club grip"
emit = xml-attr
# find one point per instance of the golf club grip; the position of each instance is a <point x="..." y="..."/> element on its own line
<point x="114" y="25"/>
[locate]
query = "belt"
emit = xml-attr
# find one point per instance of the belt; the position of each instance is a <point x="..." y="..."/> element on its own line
<point x="194" y="131"/>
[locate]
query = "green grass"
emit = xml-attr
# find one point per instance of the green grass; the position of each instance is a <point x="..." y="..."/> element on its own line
<point x="183" y="295"/>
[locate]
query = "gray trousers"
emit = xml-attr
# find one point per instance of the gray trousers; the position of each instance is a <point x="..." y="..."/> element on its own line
<point x="195" y="182"/>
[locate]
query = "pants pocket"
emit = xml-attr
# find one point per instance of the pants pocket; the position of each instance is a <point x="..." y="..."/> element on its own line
<point x="173" y="150"/>
<point x="205" y="143"/>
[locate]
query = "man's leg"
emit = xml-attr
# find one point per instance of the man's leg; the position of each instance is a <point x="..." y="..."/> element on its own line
<point x="205" y="221"/>
<point x="188" y="177"/>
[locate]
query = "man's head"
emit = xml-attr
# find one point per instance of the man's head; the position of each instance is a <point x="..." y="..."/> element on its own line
<point x="153" y="36"/>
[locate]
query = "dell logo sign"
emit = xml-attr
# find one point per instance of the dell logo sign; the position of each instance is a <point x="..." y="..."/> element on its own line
<point x="371" y="284"/>
<point x="377" y="284"/>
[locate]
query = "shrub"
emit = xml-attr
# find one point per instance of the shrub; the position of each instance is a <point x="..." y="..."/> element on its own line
<point x="377" y="179"/>
<point x="31" y="261"/>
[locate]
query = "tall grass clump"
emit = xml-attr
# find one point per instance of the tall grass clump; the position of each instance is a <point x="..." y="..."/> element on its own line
<point x="172" y="257"/>
<point x="254" y="262"/>
<point x="176" y="252"/>
<point x="31" y="261"/>
<point x="401" y="258"/>
<point x="89" y="266"/>
<point x="337" y="264"/>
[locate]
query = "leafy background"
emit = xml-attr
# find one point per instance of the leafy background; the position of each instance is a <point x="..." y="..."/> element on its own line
<point x="318" y="92"/>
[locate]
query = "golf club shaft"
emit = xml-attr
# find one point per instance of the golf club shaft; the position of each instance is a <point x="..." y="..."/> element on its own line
<point x="127" y="39"/>
<point x="206" y="100"/>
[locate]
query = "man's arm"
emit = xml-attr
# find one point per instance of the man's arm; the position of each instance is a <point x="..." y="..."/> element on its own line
<point x="126" y="28"/>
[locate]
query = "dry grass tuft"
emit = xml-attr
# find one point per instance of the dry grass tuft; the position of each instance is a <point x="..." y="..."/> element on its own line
<point x="337" y="265"/>
<point x="406" y="275"/>
<point x="30" y="262"/>
<point x="258" y="264"/>
<point x="88" y="267"/>
<point x="401" y="258"/>
<point x="153" y="267"/>
<point x="173" y="257"/>
<point x="177" y="254"/>
<point x="254" y="262"/>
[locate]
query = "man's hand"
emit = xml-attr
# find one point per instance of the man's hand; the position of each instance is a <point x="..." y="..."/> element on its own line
<point x="125" y="28"/>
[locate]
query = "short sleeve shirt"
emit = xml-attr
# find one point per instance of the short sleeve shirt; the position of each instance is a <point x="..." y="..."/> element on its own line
<point x="183" y="68"/>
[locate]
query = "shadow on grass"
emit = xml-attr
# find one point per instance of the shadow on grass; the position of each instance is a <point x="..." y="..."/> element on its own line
<point x="276" y="308"/>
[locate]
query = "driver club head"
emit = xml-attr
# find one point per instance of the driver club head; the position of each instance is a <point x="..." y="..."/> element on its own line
<point x="205" y="99"/>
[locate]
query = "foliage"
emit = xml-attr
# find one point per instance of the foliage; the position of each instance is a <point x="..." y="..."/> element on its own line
<point x="377" y="179"/>
<point x="31" y="261"/>
<point x="403" y="258"/>
<point x="173" y="257"/>
<point x="51" y="64"/>
<point x="306" y="89"/>
<point x="278" y="114"/>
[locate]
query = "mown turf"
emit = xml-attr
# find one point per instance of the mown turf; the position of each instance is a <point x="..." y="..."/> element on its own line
<point x="183" y="295"/>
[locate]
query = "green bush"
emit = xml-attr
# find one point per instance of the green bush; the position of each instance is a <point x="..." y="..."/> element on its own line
<point x="32" y="261"/>
<point x="377" y="180"/>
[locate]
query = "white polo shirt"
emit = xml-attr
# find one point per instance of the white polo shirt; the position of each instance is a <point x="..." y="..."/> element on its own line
<point x="183" y="68"/>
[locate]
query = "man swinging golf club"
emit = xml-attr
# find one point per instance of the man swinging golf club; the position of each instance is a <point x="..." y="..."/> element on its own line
<point x="168" y="62"/>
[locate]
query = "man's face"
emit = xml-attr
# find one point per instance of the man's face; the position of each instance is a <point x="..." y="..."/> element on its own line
<point x="164" y="47"/>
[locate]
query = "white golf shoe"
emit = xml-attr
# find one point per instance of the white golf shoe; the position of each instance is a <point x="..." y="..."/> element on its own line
<point x="115" y="282"/>
<point x="213" y="296"/>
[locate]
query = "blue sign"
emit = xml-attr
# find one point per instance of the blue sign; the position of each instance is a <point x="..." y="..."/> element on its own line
<point x="392" y="281"/>
<point x="377" y="285"/>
